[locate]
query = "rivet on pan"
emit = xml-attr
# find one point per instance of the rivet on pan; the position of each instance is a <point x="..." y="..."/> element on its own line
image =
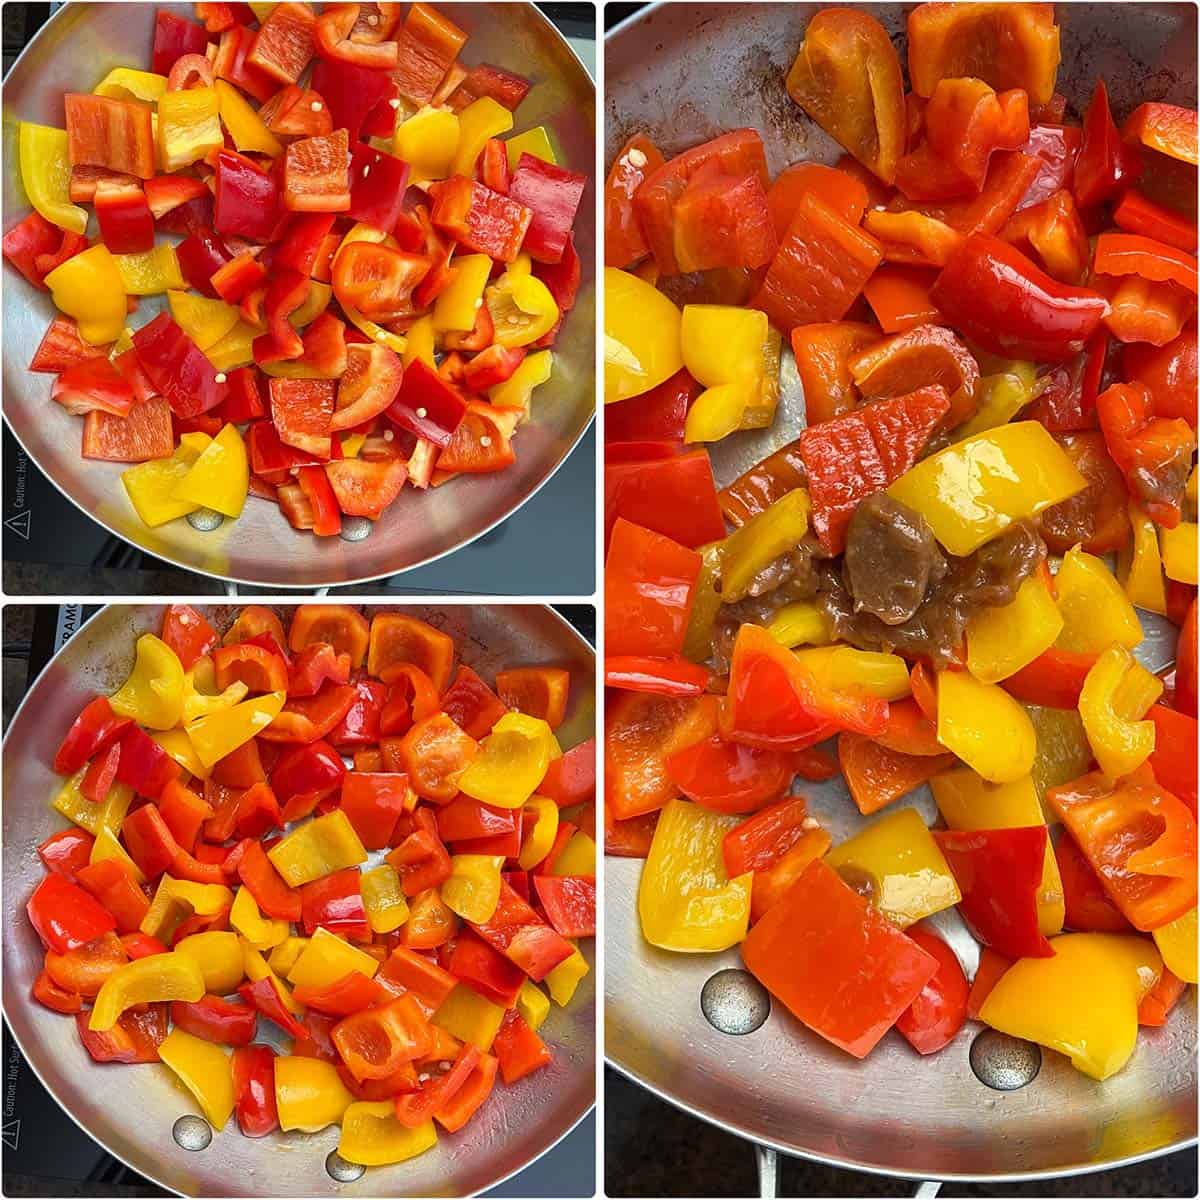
<point x="205" y="519"/>
<point x="1003" y="1062"/>
<point x="342" y="1169"/>
<point x="354" y="529"/>
<point x="733" y="1001"/>
<point x="192" y="1132"/>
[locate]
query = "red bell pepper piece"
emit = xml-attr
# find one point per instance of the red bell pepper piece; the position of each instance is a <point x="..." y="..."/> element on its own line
<point x="479" y="219"/>
<point x="491" y="367"/>
<point x="365" y="488"/>
<point x="96" y="728"/>
<point x="187" y="633"/>
<point x="286" y="292"/>
<point x="842" y="191"/>
<point x="503" y="86"/>
<point x="562" y="278"/>
<point x="522" y="936"/>
<point x="326" y="520"/>
<point x="673" y="676"/>
<point x="377" y="184"/>
<point x="760" y="841"/>
<point x="1055" y="147"/>
<point x="61" y="346"/>
<point x="247" y="201"/>
<point x="316" y="174"/>
<point x="317" y="662"/>
<point x="485" y="970"/>
<point x="375" y="1043"/>
<point x="202" y="255"/>
<point x="818" y="938"/>
<point x="335" y="903"/>
<point x="181" y="373"/>
<point x="165" y="193"/>
<point x="334" y="41"/>
<point x="1088" y="908"/>
<point x="105" y="132"/>
<point x="1105" y="163"/>
<point x="306" y="775"/>
<point x="263" y="996"/>
<point x="238" y="277"/>
<point x="1157" y="1003"/>
<point x="35" y="247"/>
<point x="999" y="872"/>
<point x="427" y="405"/>
<point x="135" y="1037"/>
<point x="65" y="916"/>
<point x="183" y="812"/>
<point x="1174" y="757"/>
<point x="624" y="241"/>
<point x="93" y="386"/>
<point x="1053" y="231"/>
<point x="360" y="726"/>
<point x="301" y="242"/>
<point x="1054" y="679"/>
<point x="659" y="414"/>
<point x="173" y="38"/>
<point x="454" y="1113"/>
<point x="934" y="1018"/>
<point x="260" y="669"/>
<point x="58" y="999"/>
<point x="464" y="819"/>
<point x="571" y="779"/>
<point x="126" y="223"/>
<point x="65" y="852"/>
<point x="471" y="704"/>
<point x="1010" y="306"/>
<point x="373" y="803"/>
<point x="378" y="280"/>
<point x="421" y="862"/>
<point x="1167" y="128"/>
<point x="144" y="764"/>
<point x="518" y="1049"/>
<point x="350" y="92"/>
<point x="301" y="410"/>
<point x="856" y="455"/>
<point x="428" y="43"/>
<point x="675" y="497"/>
<point x="114" y="888"/>
<point x="141" y="945"/>
<point x="350" y="994"/>
<point x="286" y="42"/>
<point x="270" y="893"/>
<point x="418" y="974"/>
<point x="1133" y="254"/>
<point x="144" y="433"/>
<point x="216" y="1020"/>
<point x="569" y="902"/>
<point x="730" y="778"/>
<point x="149" y="840"/>
<point x="1136" y="213"/>
<point x="258" y="812"/>
<point x="1170" y="372"/>
<point x="253" y="1070"/>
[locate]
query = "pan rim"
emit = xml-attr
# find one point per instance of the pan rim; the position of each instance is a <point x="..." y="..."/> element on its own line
<point x="31" y="687"/>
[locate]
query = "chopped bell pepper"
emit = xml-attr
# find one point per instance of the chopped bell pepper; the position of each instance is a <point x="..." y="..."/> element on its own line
<point x="219" y="733"/>
<point x="146" y="981"/>
<point x="511" y="763"/>
<point x="218" y="955"/>
<point x="472" y="889"/>
<point x="1096" y="612"/>
<point x="387" y="908"/>
<point x="722" y="348"/>
<point x="981" y="723"/>
<point x="642" y="338"/>
<point x="153" y="693"/>
<point x="1116" y="696"/>
<point x="1179" y="552"/>
<point x="317" y="848"/>
<point x="327" y="958"/>
<point x="1002" y="640"/>
<point x="205" y="1071"/>
<point x="46" y="175"/>
<point x="470" y="1017"/>
<point x="522" y="308"/>
<point x="152" y="272"/>
<point x="89" y="288"/>
<point x="1176" y="942"/>
<point x="428" y="142"/>
<point x="372" y="1136"/>
<point x="189" y="126"/>
<point x="482" y="119"/>
<point x="309" y="1094"/>
<point x="261" y="932"/>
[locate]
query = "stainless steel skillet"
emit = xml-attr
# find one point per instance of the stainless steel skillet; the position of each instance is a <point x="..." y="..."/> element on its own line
<point x="686" y="73"/>
<point x="73" y="52"/>
<point x="131" y="1111"/>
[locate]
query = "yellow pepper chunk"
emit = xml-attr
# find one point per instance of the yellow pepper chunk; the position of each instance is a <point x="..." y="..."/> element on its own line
<point x="218" y="954"/>
<point x="177" y="899"/>
<point x="533" y="1004"/>
<point x="578" y="856"/>
<point x="89" y="288"/>
<point x="457" y="307"/>
<point x="317" y="848"/>
<point x="81" y="811"/>
<point x="535" y="141"/>
<point x="197" y="699"/>
<point x="981" y="723"/>
<point x="220" y="477"/>
<point x="383" y="898"/>
<point x="722" y="347"/>
<point x="1062" y="754"/>
<point x="257" y="967"/>
<point x="428" y="142"/>
<point x="642" y="342"/>
<point x="706" y="603"/>
<point x="145" y="981"/>
<point x="1176" y="942"/>
<point x="517" y="390"/>
<point x="151" y="271"/>
<point x="246" y="917"/>
<point x="563" y="980"/>
<point x="153" y="693"/>
<point x="897" y="865"/>
<point x="759" y="413"/>
<point x="309" y="1093"/>
<point x="1179" y="552"/>
<point x="1082" y="1001"/>
<point x="480" y="120"/>
<point x="511" y="763"/>
<point x="541" y="828"/>
<point x="204" y="320"/>
<point x="221" y="732"/>
<point x="179" y="746"/>
<point x="327" y="958"/>
<point x="1096" y="612"/>
<point x="1000" y="641"/>
<point x="801" y="623"/>
<point x="767" y="535"/>
<point x="1140" y="565"/>
<point x="1117" y="693"/>
<point x="845" y="668"/>
<point x="372" y="1136"/>
<point x="470" y="1017"/>
<point x="106" y="846"/>
<point x="189" y="126"/>
<point x="46" y="176"/>
<point x="150" y="485"/>
<point x="204" y="1068"/>
<point x="1000" y="397"/>
<point x="686" y="900"/>
<point x="285" y="956"/>
<point x="473" y="888"/>
<point x="966" y="801"/>
<point x="422" y="338"/>
<point x="124" y="83"/>
<point x="243" y="122"/>
<point x="976" y="488"/>
<point x="522" y="308"/>
<point x="236" y="348"/>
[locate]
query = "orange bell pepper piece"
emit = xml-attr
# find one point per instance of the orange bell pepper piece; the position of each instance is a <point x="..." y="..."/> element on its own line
<point x="396" y="637"/>
<point x="342" y="627"/>
<point x="536" y="691"/>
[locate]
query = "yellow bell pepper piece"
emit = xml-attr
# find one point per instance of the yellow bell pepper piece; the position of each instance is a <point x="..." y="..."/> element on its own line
<point x="106" y="846"/>
<point x="383" y="898"/>
<point x="189" y="126"/>
<point x="204" y="1068"/>
<point x="897" y="865"/>
<point x="1000" y="641"/>
<point x="150" y="272"/>
<point x="642" y="343"/>
<point x="535" y="141"/>
<point x="511" y="763"/>
<point x="772" y="532"/>
<point x="218" y="954"/>
<point x="686" y="901"/>
<point x="458" y="306"/>
<point x="1000" y="396"/>
<point x="422" y="339"/>
<point x="1176" y="942"/>
<point x="533" y="1004"/>
<point x="220" y="733"/>
<point x="1179" y="552"/>
<point x="179" y="746"/>
<point x="124" y="83"/>
<point x="153" y="693"/>
<point x="759" y="412"/>
<point x="257" y="967"/>
<point x="985" y="727"/>
<point x="428" y="142"/>
<point x="177" y="899"/>
<point x="517" y="390"/>
<point x="198" y="702"/>
<point x="262" y="9"/>
<point x="541" y="828"/>
<point x="522" y="309"/>
<point x="246" y="917"/>
<point x="204" y="320"/>
<point x="309" y="1093"/>
<point x="966" y="801"/>
<point x="150" y="485"/>
<point x="1062" y="754"/>
<point x="243" y="122"/>
<point x="1096" y="612"/>
<point x="480" y="120"/>
<point x="1082" y="1001"/>
<point x="1117" y="693"/>
<point x="578" y="856"/>
<point x="722" y="347"/>
<point x="317" y="848"/>
<point x="1140" y="565"/>
<point x="285" y="956"/>
<point x="800" y="624"/>
<point x="706" y="602"/>
<point x="327" y="958"/>
<point x="320" y="294"/>
<point x="563" y="980"/>
<point x="79" y="810"/>
<point x="46" y="175"/>
<point x="145" y="981"/>
<point x="352" y="443"/>
<point x="235" y="349"/>
<point x="373" y="1137"/>
<point x="377" y="333"/>
<point x="469" y="1017"/>
<point x="220" y="477"/>
<point x="974" y="489"/>
<point x="473" y="888"/>
<point x="89" y="288"/>
<point x="844" y="668"/>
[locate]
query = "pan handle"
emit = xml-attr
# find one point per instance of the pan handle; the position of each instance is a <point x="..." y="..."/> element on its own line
<point x="767" y="1161"/>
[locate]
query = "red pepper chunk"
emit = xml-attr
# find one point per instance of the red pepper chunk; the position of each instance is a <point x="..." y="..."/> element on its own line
<point x="480" y="219"/>
<point x="253" y="1070"/>
<point x="263" y="996"/>
<point x="377" y="280"/>
<point x="126" y="223"/>
<point x="523" y="937"/>
<point x="375" y="1043"/>
<point x="730" y="778"/>
<point x="46" y="992"/>
<point x="1133" y="254"/>
<point x="316" y="174"/>
<point x="173" y="38"/>
<point x="1105" y="163"/>
<point x="569" y="902"/>
<point x="216" y="1020"/>
<point x="135" y="1037"/>
<point x="247" y="201"/>
<point x="1137" y="213"/>
<point x="104" y="132"/>
<point x="373" y="803"/>
<point x="1174" y="759"/>
<point x="1088" y="908"/>
<point x="377" y="184"/>
<point x="861" y="453"/>
<point x="335" y="903"/>
<point x="673" y="496"/>
<point x="484" y="969"/>
<point x="421" y="862"/>
<point x="286" y="42"/>
<point x="350" y="994"/>
<point x="838" y="966"/>
<point x="144" y="764"/>
<point x="1167" y="128"/>
<point x="723" y="220"/>
<point x="518" y="1049"/>
<point x="270" y="893"/>
<point x="934" y="1018"/>
<point x="96" y="728"/>
<point x="65" y="852"/>
<point x="426" y="405"/>
<point x="65" y="916"/>
<point x="35" y="247"/>
<point x="187" y="633"/>
<point x="180" y="372"/>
